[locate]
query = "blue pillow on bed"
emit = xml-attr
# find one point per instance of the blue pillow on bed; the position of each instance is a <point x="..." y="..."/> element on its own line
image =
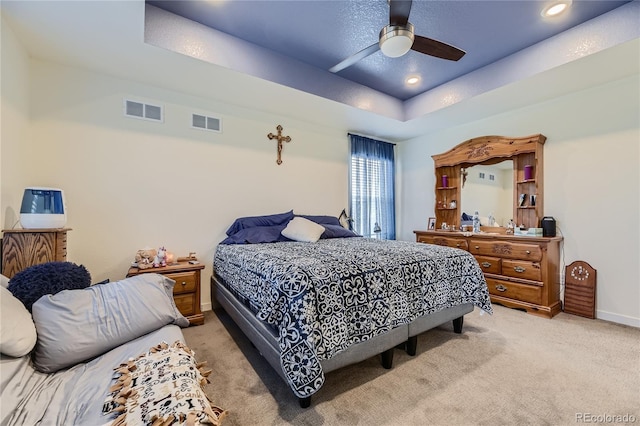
<point x="336" y="231"/>
<point x="321" y="220"/>
<point x="253" y="221"/>
<point x="256" y="235"/>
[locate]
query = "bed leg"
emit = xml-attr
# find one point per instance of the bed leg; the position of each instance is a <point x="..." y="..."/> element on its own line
<point x="412" y="345"/>
<point x="387" y="358"/>
<point x="457" y="324"/>
<point x="305" y="402"/>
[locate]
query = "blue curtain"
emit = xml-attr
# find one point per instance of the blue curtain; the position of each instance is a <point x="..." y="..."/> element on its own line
<point x="372" y="187"/>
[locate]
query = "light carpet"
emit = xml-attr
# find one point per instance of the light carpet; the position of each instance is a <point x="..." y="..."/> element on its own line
<point x="507" y="368"/>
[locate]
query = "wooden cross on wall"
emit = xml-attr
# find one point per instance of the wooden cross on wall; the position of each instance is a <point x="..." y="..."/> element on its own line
<point x="280" y="139"/>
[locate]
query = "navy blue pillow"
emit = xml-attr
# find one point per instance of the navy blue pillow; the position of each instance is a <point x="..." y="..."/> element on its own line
<point x="336" y="231"/>
<point x="253" y="221"/>
<point x="321" y="220"/>
<point x="256" y="235"/>
<point x="34" y="282"/>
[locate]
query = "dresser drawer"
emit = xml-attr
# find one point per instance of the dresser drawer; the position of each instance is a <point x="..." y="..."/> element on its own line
<point x="505" y="249"/>
<point x="522" y="269"/>
<point x="186" y="303"/>
<point x="185" y="282"/>
<point x="490" y="265"/>
<point x="460" y="243"/>
<point x="524" y="292"/>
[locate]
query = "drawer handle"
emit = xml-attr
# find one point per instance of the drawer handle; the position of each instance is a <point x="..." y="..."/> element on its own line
<point x="528" y="252"/>
<point x="458" y="245"/>
<point x="486" y="265"/>
<point x="519" y="269"/>
<point x="184" y="283"/>
<point x="477" y="247"/>
<point x="500" y="287"/>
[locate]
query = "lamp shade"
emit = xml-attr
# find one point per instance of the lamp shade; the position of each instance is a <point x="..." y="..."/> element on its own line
<point x="43" y="208"/>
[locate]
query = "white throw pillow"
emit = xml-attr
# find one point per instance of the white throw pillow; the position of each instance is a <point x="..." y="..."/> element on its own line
<point x="301" y="229"/>
<point x="17" y="330"/>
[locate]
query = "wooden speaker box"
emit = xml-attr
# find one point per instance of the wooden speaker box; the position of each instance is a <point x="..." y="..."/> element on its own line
<point x="580" y="289"/>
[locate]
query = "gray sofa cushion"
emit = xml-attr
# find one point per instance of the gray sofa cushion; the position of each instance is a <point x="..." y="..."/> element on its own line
<point x="77" y="325"/>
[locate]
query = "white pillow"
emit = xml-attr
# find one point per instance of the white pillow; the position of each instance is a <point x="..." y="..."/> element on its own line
<point x="17" y="331"/>
<point x="301" y="229"/>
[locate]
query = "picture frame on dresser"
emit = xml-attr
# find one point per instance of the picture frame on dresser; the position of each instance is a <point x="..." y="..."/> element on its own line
<point x="431" y="224"/>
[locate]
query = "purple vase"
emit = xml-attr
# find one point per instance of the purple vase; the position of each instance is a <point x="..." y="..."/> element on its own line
<point x="445" y="181"/>
<point x="528" y="172"/>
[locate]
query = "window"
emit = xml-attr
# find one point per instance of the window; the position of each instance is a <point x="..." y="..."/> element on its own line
<point x="372" y="188"/>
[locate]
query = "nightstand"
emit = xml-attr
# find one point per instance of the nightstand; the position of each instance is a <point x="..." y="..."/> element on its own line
<point x="22" y="248"/>
<point x="186" y="292"/>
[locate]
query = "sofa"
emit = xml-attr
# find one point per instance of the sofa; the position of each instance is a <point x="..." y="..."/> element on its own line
<point x="109" y="353"/>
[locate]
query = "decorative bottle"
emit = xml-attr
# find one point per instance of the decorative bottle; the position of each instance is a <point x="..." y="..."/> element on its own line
<point x="476" y="222"/>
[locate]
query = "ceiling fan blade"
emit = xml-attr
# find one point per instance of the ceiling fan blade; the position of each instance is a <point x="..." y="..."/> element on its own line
<point x="399" y="12"/>
<point x="355" y="58"/>
<point x="436" y="48"/>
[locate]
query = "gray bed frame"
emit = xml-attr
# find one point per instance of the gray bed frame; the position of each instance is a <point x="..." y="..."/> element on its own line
<point x="263" y="337"/>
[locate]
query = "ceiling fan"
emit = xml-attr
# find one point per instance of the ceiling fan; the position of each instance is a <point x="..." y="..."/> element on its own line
<point x="398" y="38"/>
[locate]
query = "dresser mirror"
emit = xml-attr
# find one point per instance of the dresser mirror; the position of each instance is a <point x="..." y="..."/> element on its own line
<point x="489" y="190"/>
<point x="492" y="155"/>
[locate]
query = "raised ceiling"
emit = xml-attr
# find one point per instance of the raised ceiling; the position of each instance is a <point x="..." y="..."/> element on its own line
<point x="323" y="33"/>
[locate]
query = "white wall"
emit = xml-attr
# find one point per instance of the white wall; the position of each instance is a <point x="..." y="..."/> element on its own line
<point x="133" y="183"/>
<point x="591" y="181"/>
<point x="14" y="125"/>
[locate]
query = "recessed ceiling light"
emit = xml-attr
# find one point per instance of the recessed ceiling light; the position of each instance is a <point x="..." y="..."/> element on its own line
<point x="414" y="79"/>
<point x="555" y="8"/>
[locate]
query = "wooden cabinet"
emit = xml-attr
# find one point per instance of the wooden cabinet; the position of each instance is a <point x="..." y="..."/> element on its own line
<point x="186" y="291"/>
<point x="22" y="248"/>
<point x="522" y="272"/>
<point x="526" y="153"/>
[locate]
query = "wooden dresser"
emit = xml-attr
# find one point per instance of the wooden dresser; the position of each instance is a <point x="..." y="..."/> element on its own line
<point x="522" y="272"/>
<point x="186" y="292"/>
<point x="22" y="248"/>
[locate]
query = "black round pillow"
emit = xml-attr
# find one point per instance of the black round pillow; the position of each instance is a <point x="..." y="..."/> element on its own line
<point x="47" y="278"/>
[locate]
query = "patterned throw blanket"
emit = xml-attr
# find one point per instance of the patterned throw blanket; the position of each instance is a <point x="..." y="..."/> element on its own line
<point x="326" y="296"/>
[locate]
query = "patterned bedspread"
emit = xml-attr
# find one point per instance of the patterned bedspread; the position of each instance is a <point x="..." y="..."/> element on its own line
<point x="323" y="297"/>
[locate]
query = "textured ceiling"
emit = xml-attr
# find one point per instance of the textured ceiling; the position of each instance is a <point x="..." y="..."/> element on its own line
<point x="323" y="33"/>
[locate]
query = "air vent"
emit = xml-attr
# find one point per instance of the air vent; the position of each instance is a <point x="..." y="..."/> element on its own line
<point x="204" y="122"/>
<point x="141" y="110"/>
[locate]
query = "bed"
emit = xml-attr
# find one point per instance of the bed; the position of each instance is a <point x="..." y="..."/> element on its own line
<point x="313" y="302"/>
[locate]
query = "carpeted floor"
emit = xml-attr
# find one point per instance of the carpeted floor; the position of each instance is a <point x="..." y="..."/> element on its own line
<point x="506" y="368"/>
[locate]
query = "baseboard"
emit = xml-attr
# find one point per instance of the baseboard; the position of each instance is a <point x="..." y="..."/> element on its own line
<point x="205" y="307"/>
<point x="617" y="318"/>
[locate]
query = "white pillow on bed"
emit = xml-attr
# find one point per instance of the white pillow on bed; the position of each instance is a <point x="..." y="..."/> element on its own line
<point x="301" y="229"/>
<point x="17" y="331"/>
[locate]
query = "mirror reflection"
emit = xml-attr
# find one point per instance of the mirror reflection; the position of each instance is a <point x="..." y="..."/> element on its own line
<point x="488" y="189"/>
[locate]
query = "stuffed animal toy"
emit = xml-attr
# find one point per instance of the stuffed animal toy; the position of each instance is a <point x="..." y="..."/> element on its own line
<point x="145" y="257"/>
<point x="161" y="258"/>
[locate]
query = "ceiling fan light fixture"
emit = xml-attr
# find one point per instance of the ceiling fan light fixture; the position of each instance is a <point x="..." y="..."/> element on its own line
<point x="396" y="40"/>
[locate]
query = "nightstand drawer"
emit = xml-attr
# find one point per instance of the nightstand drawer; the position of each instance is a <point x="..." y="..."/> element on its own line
<point x="186" y="303"/>
<point x="523" y="292"/>
<point x="185" y="282"/>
